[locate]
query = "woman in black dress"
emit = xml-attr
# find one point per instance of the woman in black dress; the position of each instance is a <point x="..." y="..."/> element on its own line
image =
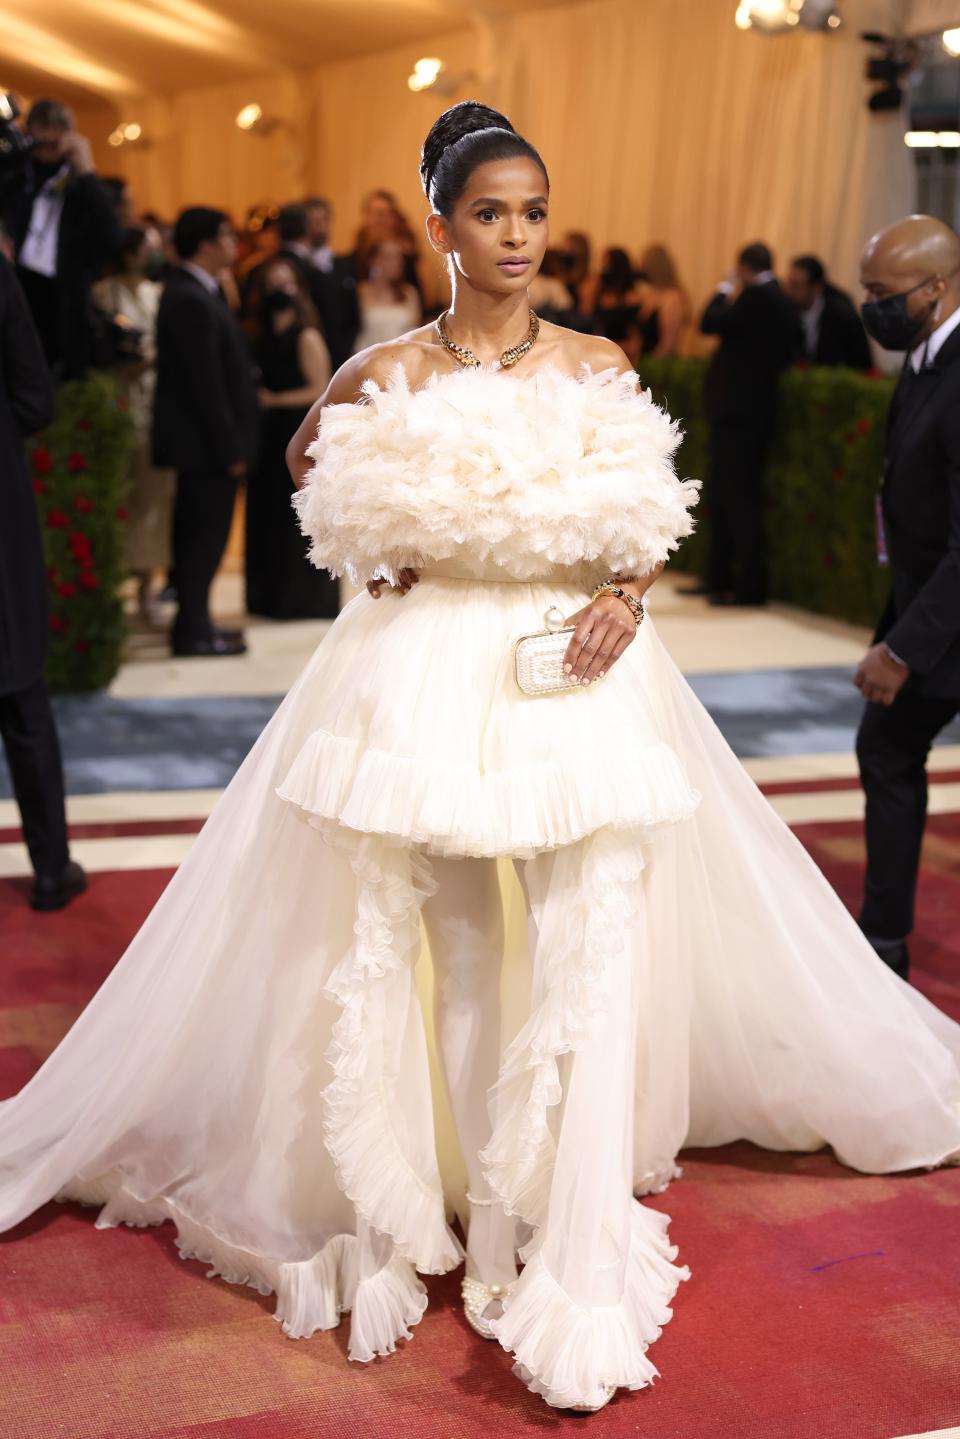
<point x="294" y="368"/>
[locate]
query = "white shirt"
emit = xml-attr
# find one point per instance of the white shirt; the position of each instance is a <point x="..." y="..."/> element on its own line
<point x="42" y="240"/>
<point x="924" y="354"/>
<point x="323" y="258"/>
<point x="810" y="319"/>
<point x="208" y="281"/>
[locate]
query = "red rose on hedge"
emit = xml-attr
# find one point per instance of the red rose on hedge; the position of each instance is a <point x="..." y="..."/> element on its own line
<point x="83" y="425"/>
<point x="863" y="426"/>
<point x="66" y="590"/>
<point x="122" y="513"/>
<point x="76" y="462"/>
<point x="57" y="520"/>
<point x="88" y="580"/>
<point x="82" y="647"/>
<point x="58" y="624"/>
<point x="42" y="462"/>
<point x="82" y="504"/>
<point x="79" y="543"/>
<point x="39" y="488"/>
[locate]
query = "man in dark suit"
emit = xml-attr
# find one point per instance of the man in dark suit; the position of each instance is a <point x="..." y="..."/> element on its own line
<point x="910" y="676"/>
<point x="26" y="719"/>
<point x="833" y="332"/>
<point x="341" y="269"/>
<point x="759" y="336"/>
<point x="205" y="420"/>
<point x="64" y="227"/>
<point x="333" y="291"/>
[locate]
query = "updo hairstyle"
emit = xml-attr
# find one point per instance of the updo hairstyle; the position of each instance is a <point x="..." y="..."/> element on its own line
<point x="463" y="137"/>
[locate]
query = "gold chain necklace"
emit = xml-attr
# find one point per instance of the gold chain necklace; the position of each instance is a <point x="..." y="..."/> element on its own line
<point x="466" y="357"/>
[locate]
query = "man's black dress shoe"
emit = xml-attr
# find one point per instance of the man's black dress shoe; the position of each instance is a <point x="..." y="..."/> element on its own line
<point x="893" y="952"/>
<point x="225" y="642"/>
<point x="54" y="891"/>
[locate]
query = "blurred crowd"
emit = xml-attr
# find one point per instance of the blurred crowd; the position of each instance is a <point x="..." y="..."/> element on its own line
<point x="222" y="338"/>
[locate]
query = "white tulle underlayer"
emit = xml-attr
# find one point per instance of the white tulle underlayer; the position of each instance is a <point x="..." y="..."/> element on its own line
<point x="255" y="1068"/>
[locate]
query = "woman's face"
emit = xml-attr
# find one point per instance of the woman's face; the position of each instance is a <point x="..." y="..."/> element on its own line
<point x="498" y="232"/>
<point x="379" y="217"/>
<point x="281" y="277"/>
<point x="388" y="263"/>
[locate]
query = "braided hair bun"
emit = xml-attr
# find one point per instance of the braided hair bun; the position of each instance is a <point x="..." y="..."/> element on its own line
<point x="465" y="136"/>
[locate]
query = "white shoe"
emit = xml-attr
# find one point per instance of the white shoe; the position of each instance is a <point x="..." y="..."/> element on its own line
<point x="476" y="1298"/>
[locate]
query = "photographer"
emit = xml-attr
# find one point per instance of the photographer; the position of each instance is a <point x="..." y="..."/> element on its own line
<point x="64" y="228"/>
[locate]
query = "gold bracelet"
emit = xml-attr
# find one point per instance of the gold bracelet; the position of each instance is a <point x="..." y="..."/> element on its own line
<point x="634" y="605"/>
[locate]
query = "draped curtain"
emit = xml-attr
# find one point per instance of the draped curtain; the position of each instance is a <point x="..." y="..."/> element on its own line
<point x="658" y="120"/>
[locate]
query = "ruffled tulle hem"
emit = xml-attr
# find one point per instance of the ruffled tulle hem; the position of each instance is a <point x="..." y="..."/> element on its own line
<point x="374" y="981"/>
<point x="570" y="1355"/>
<point x="456" y="809"/>
<point x="311" y="1294"/>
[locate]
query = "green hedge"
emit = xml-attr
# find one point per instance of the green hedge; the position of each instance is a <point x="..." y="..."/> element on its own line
<point x="79" y="470"/>
<point x="822" y="479"/>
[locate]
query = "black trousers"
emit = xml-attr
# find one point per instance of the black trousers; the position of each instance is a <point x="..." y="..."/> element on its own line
<point x="892" y="747"/>
<point x="33" y="753"/>
<point x="201" y="527"/>
<point x="736" y="560"/>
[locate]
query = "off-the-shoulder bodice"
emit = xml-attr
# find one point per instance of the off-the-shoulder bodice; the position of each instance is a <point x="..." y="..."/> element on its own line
<point x="525" y="475"/>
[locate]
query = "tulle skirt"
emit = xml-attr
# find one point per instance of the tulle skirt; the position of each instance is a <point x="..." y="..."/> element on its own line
<point x="256" y="1070"/>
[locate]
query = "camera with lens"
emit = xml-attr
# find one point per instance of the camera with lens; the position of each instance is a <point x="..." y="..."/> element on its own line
<point x="15" y="144"/>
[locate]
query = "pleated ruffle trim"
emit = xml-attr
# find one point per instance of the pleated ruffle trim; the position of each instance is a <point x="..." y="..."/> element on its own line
<point x="311" y="1294"/>
<point x="569" y="1354"/>
<point x="454" y="809"/>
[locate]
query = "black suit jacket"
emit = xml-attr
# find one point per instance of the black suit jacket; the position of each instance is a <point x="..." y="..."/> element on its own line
<point x="921" y="508"/>
<point x="88" y="238"/>
<point x="206" y="410"/>
<point x="760" y="336"/>
<point x="26" y="405"/>
<point x="842" y="340"/>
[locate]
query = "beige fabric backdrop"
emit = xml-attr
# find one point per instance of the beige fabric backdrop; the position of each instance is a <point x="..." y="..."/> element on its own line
<point x="658" y="120"/>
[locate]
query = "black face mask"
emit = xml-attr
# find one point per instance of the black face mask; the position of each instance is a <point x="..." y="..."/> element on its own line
<point x="890" y="322"/>
<point x="278" y="302"/>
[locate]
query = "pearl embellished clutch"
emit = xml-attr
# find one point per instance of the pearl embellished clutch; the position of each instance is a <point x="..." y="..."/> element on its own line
<point x="538" y="658"/>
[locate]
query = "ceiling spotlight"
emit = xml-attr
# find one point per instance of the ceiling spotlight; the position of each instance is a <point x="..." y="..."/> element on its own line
<point x="951" y="42"/>
<point x="426" y="73"/>
<point x="249" y="117"/>
<point x="778" y="17"/>
<point x="129" y="134"/>
<point x="933" y="139"/>
<point x="253" y="121"/>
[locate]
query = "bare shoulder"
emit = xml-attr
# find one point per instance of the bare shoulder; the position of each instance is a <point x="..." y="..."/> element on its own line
<point x="415" y="353"/>
<point x="569" y="349"/>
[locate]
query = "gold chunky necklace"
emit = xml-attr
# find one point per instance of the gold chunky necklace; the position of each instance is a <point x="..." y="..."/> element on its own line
<point x="466" y="357"/>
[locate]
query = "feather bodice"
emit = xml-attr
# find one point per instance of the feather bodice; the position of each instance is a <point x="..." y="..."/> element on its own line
<point x="527" y="474"/>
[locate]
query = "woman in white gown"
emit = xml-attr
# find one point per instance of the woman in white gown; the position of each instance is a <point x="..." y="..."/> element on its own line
<point x="255" y="1068"/>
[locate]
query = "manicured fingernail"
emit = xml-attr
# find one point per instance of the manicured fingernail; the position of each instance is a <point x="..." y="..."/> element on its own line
<point x="567" y="669"/>
<point x="584" y="681"/>
<point x="601" y="674"/>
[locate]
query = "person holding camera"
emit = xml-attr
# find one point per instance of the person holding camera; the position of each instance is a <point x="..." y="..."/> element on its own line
<point x="64" y="227"/>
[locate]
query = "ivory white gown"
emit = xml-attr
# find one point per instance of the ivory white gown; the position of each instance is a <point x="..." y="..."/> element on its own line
<point x="255" y="1067"/>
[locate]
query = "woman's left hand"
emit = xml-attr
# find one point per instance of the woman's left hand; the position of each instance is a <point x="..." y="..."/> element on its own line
<point x="603" y="631"/>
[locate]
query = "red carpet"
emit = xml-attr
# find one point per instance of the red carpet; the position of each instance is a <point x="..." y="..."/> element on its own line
<point x="822" y="1304"/>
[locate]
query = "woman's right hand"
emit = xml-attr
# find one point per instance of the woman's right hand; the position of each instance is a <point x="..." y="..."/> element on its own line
<point x="406" y="579"/>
